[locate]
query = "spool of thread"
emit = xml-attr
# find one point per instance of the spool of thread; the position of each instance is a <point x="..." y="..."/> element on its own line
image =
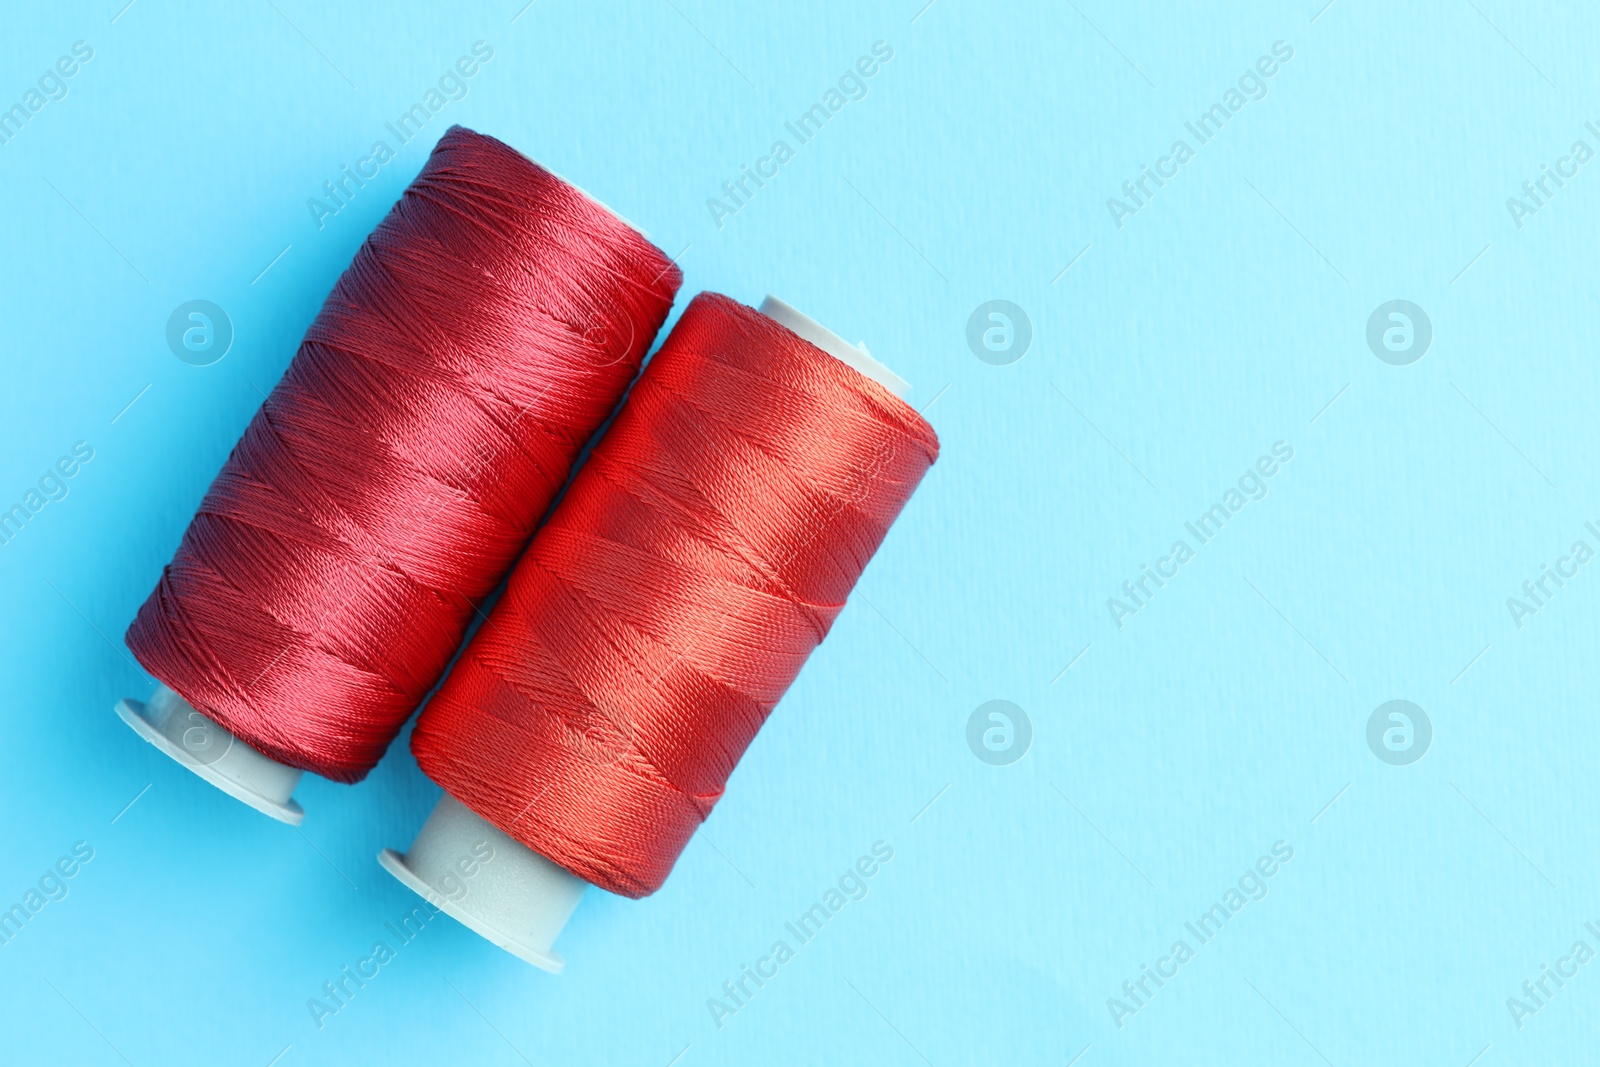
<point x="697" y="559"/>
<point x="481" y="335"/>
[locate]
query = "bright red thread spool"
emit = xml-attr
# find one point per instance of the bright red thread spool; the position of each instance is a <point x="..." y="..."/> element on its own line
<point x="480" y="336"/>
<point x="698" y="557"/>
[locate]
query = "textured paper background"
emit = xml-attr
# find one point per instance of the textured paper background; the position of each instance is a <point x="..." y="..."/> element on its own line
<point x="1229" y="713"/>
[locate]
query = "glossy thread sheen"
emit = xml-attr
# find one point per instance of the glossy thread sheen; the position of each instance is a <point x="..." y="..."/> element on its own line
<point x="479" y="338"/>
<point x="698" y="557"/>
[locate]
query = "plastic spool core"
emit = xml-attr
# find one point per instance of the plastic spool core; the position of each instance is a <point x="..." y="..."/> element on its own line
<point x="207" y="748"/>
<point x="200" y="743"/>
<point x="856" y="356"/>
<point x="518" y="899"/>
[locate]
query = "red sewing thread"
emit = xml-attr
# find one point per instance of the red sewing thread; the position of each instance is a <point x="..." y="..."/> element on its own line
<point x="698" y="557"/>
<point x="480" y="336"/>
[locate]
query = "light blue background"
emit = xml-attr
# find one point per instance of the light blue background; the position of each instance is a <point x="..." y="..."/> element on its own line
<point x="1222" y="718"/>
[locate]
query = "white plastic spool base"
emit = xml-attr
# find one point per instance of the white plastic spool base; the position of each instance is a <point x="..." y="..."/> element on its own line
<point x="204" y="746"/>
<point x="516" y="898"/>
<point x="520" y="900"/>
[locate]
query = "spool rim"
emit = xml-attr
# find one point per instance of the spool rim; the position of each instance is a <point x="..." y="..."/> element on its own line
<point x="131" y="712"/>
<point x="395" y="863"/>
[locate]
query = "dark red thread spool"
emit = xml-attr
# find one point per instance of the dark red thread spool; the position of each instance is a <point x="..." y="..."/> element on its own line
<point x="480" y="336"/>
<point x="696" y="560"/>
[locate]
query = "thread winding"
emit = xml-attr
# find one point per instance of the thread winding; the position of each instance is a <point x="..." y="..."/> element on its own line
<point x="698" y="558"/>
<point x="481" y="335"/>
